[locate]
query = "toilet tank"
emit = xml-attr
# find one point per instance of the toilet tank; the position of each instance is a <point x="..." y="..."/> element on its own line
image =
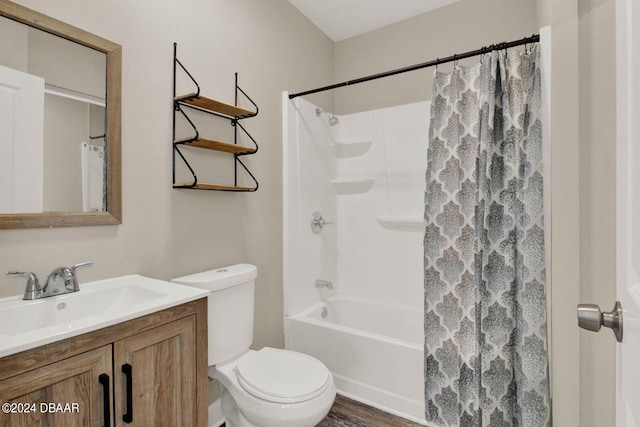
<point x="230" y="308"/>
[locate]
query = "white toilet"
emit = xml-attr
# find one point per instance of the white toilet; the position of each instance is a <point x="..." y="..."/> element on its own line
<point x="264" y="388"/>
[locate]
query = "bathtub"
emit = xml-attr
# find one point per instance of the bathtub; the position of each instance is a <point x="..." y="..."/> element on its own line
<point x="374" y="351"/>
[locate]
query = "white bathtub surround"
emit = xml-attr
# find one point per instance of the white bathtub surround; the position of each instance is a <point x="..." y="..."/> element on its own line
<point x="308" y="170"/>
<point x="374" y="351"/>
<point x="365" y="174"/>
<point x="375" y="262"/>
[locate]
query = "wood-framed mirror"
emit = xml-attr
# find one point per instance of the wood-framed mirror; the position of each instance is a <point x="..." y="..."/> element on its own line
<point x="104" y="205"/>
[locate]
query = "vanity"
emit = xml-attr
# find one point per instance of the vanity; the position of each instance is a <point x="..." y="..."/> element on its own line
<point x="124" y="351"/>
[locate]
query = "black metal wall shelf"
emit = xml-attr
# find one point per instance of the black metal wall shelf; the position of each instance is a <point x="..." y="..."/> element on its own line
<point x="234" y="113"/>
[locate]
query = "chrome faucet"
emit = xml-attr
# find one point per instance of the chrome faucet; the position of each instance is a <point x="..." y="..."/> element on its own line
<point x="61" y="280"/>
<point x="324" y="284"/>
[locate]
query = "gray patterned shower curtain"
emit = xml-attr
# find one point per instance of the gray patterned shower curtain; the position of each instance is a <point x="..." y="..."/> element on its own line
<point x="486" y="361"/>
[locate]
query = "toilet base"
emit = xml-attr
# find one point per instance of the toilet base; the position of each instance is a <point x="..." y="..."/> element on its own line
<point x="233" y="417"/>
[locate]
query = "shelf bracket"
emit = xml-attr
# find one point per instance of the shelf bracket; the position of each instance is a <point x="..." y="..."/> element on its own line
<point x="234" y="113"/>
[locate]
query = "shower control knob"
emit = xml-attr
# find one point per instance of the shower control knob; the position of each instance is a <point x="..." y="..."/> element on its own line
<point x="317" y="222"/>
<point x="592" y="319"/>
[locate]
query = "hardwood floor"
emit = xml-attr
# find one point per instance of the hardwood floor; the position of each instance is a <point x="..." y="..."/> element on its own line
<point x="346" y="412"/>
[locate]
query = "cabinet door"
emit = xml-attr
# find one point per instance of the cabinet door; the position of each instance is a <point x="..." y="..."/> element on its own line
<point x="69" y="393"/>
<point x="155" y="376"/>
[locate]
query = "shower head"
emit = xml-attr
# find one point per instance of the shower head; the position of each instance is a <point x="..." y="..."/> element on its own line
<point x="333" y="120"/>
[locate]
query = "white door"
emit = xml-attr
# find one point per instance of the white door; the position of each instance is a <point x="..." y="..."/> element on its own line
<point x="21" y="137"/>
<point x="628" y="211"/>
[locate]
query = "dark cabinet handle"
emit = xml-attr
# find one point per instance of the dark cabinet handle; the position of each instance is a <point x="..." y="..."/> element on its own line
<point x="127" y="370"/>
<point x="104" y="380"/>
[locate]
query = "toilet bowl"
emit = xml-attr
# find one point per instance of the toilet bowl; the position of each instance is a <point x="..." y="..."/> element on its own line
<point x="275" y="388"/>
<point x="265" y="388"/>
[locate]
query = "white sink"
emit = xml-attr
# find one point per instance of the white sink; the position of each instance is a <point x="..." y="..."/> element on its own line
<point x="29" y="324"/>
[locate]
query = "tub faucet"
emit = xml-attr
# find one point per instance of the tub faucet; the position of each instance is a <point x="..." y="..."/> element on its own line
<point x="61" y="280"/>
<point x="324" y="284"/>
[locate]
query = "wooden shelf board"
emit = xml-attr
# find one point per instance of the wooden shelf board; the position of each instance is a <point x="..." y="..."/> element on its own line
<point x="218" y="187"/>
<point x="214" y="105"/>
<point x="212" y="144"/>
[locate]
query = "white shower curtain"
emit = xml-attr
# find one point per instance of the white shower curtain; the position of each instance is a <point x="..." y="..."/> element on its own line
<point x="486" y="361"/>
<point x="93" y="177"/>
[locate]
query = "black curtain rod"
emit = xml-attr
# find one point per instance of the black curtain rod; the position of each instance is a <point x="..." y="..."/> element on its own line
<point x="533" y="39"/>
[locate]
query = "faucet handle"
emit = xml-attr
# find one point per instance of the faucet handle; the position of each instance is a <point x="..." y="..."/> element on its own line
<point x="33" y="285"/>
<point x="317" y="222"/>
<point x="82" y="264"/>
<point x="72" y="282"/>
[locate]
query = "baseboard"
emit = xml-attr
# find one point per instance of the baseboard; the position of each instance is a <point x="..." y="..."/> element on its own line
<point x="216" y="417"/>
<point x="380" y="399"/>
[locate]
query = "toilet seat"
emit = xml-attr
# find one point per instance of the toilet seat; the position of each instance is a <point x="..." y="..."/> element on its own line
<point x="282" y="376"/>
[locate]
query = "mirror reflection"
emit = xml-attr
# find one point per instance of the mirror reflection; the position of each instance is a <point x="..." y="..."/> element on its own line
<point x="52" y="123"/>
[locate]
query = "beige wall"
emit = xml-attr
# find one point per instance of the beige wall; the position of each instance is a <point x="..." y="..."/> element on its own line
<point x="67" y="65"/>
<point x="168" y="232"/>
<point x="165" y="232"/>
<point x="583" y="131"/>
<point x="583" y="120"/>
<point x="14" y="44"/>
<point x="597" y="60"/>
<point x="565" y="240"/>
<point x="457" y="28"/>
<point x="66" y="124"/>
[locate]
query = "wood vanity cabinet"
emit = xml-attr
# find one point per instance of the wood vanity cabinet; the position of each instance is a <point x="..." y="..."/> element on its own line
<point x="149" y="371"/>
<point x="74" y="380"/>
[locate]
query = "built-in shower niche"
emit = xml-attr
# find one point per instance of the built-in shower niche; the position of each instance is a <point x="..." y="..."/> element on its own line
<point x="351" y="149"/>
<point x="343" y="150"/>
<point x="405" y="137"/>
<point x="352" y="185"/>
<point x="352" y="143"/>
<point x="397" y="223"/>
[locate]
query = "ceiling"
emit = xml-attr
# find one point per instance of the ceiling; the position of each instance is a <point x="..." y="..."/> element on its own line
<point x="341" y="19"/>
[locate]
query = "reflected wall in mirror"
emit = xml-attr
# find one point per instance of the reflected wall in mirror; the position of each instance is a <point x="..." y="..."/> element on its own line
<point x="59" y="123"/>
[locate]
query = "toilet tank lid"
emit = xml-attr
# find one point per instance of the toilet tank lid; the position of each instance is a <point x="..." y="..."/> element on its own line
<point x="220" y="278"/>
